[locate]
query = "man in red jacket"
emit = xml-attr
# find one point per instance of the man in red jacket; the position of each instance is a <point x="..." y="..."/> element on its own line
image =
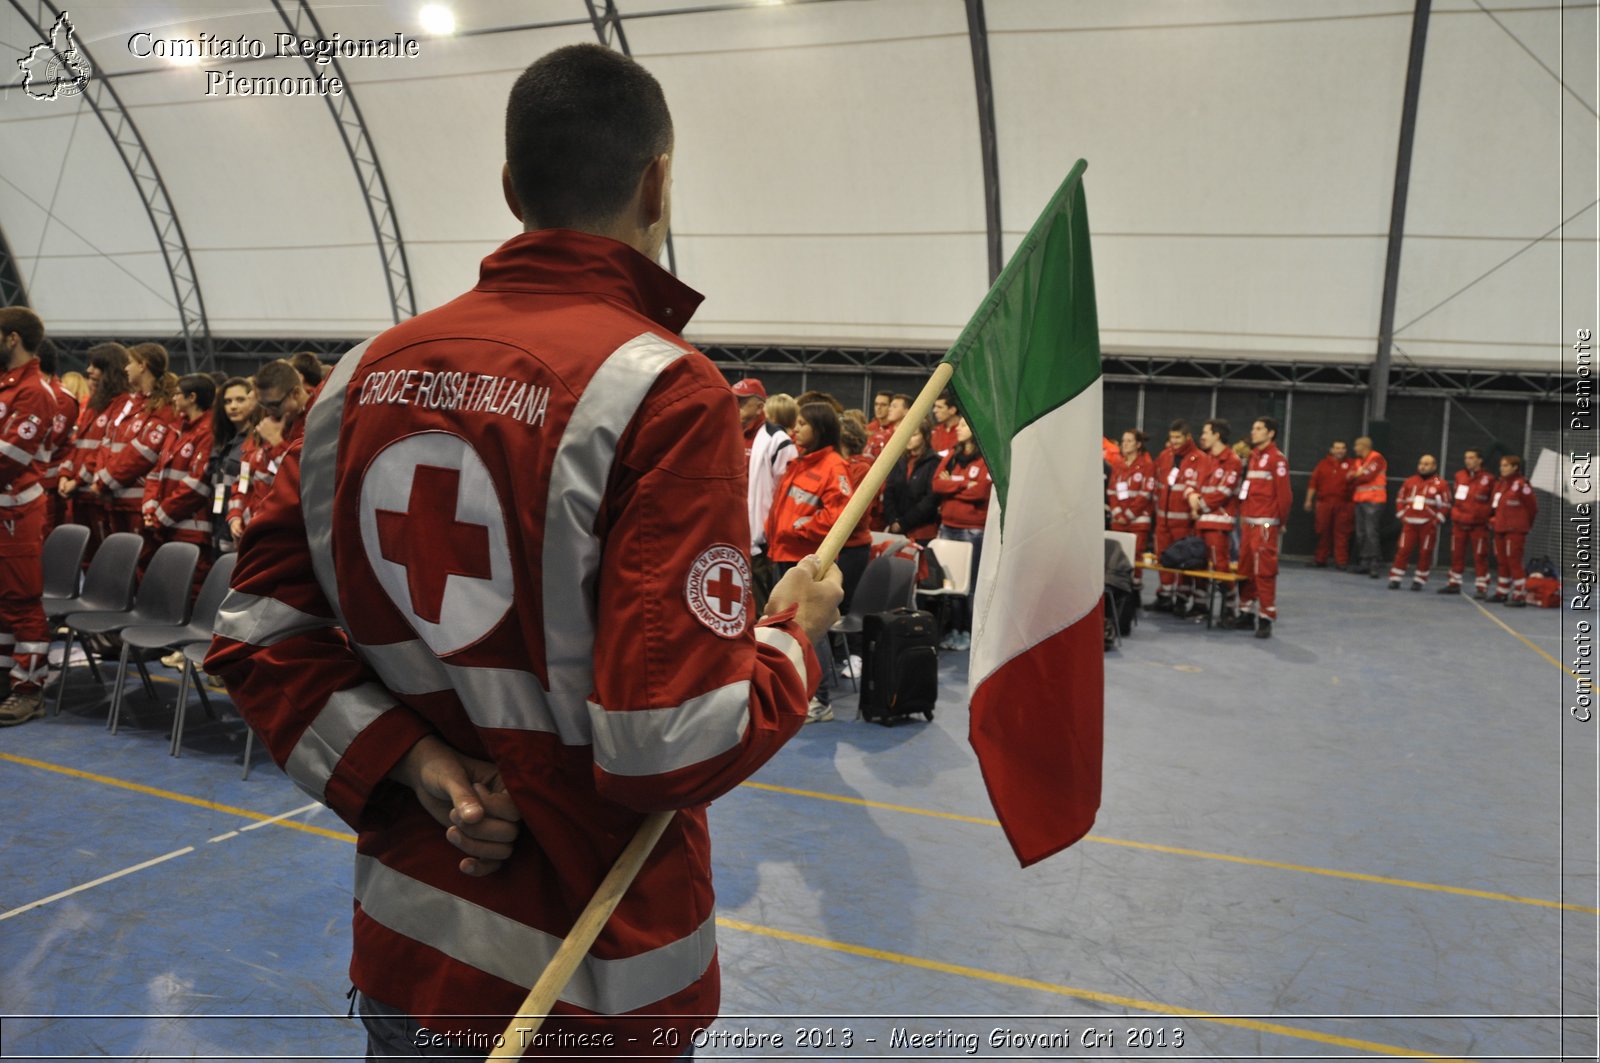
<point x="26" y="410"/>
<point x="1515" y="508"/>
<point x="1421" y="505"/>
<point x="752" y="399"/>
<point x="1328" y="497"/>
<point x="1215" y="506"/>
<point x="1178" y="471"/>
<point x="1471" y="507"/>
<point x="1264" y="505"/>
<point x="497" y="608"/>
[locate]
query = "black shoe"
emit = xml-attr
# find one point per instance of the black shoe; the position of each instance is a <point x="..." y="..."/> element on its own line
<point x="1482" y="595"/>
<point x="1394" y="584"/>
<point x="1342" y="568"/>
<point x="1264" y="629"/>
<point x="1372" y="571"/>
<point x="1416" y="586"/>
<point x="1228" y="620"/>
<point x="1245" y="622"/>
<point x="1498" y="599"/>
<point x="1163" y="604"/>
<point x="1516" y="603"/>
<point x="1318" y="564"/>
<point x="1450" y="588"/>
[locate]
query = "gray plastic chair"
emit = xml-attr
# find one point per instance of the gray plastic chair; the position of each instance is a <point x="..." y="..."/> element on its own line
<point x="107" y="587"/>
<point x="62" y="561"/>
<point x="162" y="601"/>
<point x="194" y="655"/>
<point x="151" y="642"/>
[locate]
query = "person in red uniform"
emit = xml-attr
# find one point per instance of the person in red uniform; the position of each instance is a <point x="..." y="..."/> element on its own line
<point x="963" y="484"/>
<point x="1215" y="507"/>
<point x="1129" y="494"/>
<point x="899" y="406"/>
<point x="177" y="496"/>
<point x="1471" y="507"/>
<point x="1422" y="506"/>
<point x="808" y="502"/>
<point x="1264" y="504"/>
<point x="27" y="408"/>
<point x="751" y="397"/>
<point x="108" y="399"/>
<point x="136" y="438"/>
<point x="1515" y="508"/>
<point x="57" y="446"/>
<point x="1328" y="498"/>
<point x="1369" y="482"/>
<point x="946" y="411"/>
<point x="497" y="608"/>
<point x="1178" y="471"/>
<point x="281" y="403"/>
<point x="880" y="411"/>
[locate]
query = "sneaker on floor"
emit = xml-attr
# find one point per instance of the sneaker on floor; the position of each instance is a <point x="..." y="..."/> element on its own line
<point x="215" y="682"/>
<point x="1481" y="594"/>
<point x="1394" y="584"/>
<point x="1264" y="629"/>
<point x="173" y="659"/>
<point x="1516" y="603"/>
<point x="1417" y="586"/>
<point x="1449" y="588"/>
<point x="1498" y="599"/>
<point x="20" y="708"/>
<point x="963" y="640"/>
<point x="817" y="712"/>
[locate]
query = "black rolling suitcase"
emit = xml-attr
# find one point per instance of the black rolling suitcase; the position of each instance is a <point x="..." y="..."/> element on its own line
<point x="899" y="665"/>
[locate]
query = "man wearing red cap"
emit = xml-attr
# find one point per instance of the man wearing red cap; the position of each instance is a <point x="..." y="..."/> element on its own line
<point x="752" y="410"/>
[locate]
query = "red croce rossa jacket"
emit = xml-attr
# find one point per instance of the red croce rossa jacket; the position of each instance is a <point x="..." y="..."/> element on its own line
<point x="1472" y="500"/>
<point x="524" y="529"/>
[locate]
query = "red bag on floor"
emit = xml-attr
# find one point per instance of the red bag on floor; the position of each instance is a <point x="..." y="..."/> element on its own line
<point x="1544" y="592"/>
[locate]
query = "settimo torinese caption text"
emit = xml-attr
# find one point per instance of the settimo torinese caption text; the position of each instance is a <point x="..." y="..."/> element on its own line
<point x="207" y="49"/>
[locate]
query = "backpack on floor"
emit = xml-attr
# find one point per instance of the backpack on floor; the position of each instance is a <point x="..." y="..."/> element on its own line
<point x="1544" y="591"/>
<point x="1541" y="566"/>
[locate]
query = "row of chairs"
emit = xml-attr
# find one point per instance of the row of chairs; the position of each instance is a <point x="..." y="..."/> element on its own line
<point x="149" y="621"/>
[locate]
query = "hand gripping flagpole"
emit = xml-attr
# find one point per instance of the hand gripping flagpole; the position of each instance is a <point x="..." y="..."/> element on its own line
<point x="536" y="1008"/>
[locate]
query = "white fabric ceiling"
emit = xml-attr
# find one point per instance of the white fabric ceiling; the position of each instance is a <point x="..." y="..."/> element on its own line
<point x="829" y="184"/>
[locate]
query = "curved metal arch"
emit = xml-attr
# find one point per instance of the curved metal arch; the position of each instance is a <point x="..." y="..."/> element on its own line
<point x="608" y="27"/>
<point x="364" y="159"/>
<point x="983" y="79"/>
<point x="141" y="165"/>
<point x="13" y="292"/>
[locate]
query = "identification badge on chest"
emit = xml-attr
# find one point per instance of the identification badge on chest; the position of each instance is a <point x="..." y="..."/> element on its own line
<point x="1122" y="491"/>
<point x="1172" y="478"/>
<point x="1461" y="492"/>
<point x="244" y="478"/>
<point x="219" y="498"/>
<point x="1496" y="503"/>
<point x="1418" y="502"/>
<point x="1244" y="489"/>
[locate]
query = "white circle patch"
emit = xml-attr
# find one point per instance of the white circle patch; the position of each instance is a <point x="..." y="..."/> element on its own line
<point x="435" y="535"/>
<point x="27" y="430"/>
<point x="718" y="588"/>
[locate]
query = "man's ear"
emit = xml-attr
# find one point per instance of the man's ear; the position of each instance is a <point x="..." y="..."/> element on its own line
<point x="509" y="190"/>
<point x="653" y="190"/>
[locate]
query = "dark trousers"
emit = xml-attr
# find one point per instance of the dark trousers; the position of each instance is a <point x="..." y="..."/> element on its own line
<point x="1369" y="518"/>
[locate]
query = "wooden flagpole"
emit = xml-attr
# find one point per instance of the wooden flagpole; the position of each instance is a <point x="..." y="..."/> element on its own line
<point x="536" y="1008"/>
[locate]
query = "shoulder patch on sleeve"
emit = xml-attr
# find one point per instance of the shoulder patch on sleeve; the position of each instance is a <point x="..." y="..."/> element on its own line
<point x="717" y="590"/>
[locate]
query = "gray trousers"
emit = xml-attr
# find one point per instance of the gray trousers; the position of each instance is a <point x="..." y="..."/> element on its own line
<point x="1369" y="517"/>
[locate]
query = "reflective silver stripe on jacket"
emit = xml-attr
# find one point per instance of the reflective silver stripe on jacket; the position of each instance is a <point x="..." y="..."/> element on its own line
<point x="145" y="452"/>
<point x="786" y="644"/>
<point x="343" y="716"/>
<point x="23" y="497"/>
<point x="1259" y="474"/>
<point x="1184" y="515"/>
<point x="570" y="560"/>
<point x="805" y="496"/>
<point x="652" y="741"/>
<point x="492" y="697"/>
<point x="261" y="621"/>
<point x="17" y="454"/>
<point x="1265" y="522"/>
<point x="518" y="953"/>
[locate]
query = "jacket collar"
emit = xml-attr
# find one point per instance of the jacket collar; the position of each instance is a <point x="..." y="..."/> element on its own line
<point x="566" y="262"/>
<point x="20" y="373"/>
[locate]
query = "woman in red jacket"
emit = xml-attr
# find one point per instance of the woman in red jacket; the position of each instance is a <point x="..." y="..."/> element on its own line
<point x="962" y="484"/>
<point x="1130" y="492"/>
<point x="108" y="379"/>
<point x="177" y="494"/>
<point x="1515" y="508"/>
<point x="135" y="439"/>
<point x="808" y="502"/>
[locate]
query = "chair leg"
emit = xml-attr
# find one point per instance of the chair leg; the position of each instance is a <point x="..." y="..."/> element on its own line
<point x="116" y="693"/>
<point x="94" y="667"/>
<point x="249" y="745"/>
<point x="180" y="711"/>
<point x="61" y="680"/>
<point x="200" y="688"/>
<point x="149" y="687"/>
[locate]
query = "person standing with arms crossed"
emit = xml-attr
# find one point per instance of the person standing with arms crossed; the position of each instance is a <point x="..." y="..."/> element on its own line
<point x="1264" y="504"/>
<point x="497" y="609"/>
<point x="1471" y="507"/>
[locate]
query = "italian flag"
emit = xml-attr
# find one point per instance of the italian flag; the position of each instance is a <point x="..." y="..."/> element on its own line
<point x="1027" y="373"/>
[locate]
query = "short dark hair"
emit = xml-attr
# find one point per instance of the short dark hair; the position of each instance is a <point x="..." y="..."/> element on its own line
<point x="876" y="395"/>
<point x="1138" y="436"/>
<point x="25" y="323"/>
<point x="1474" y="450"/>
<point x="1270" y="424"/>
<point x="824" y="424"/>
<point x="948" y="397"/>
<point x="1222" y="428"/>
<point x="201" y="386"/>
<point x="581" y="125"/>
<point x="310" y="369"/>
<point x="1180" y="425"/>
<point x="278" y="376"/>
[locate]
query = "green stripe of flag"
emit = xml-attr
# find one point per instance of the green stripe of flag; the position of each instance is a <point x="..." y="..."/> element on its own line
<point x="1035" y="341"/>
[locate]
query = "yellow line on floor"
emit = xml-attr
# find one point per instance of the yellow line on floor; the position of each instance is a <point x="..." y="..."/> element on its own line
<point x="1111" y="999"/>
<point x="140" y="788"/>
<point x="1509" y="630"/>
<point x="1326" y="872"/>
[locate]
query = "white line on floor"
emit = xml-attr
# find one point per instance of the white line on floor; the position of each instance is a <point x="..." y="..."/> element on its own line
<point x="282" y="816"/>
<point x="97" y="882"/>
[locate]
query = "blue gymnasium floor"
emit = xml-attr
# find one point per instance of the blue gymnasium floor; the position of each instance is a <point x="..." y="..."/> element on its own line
<point x="1346" y="842"/>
